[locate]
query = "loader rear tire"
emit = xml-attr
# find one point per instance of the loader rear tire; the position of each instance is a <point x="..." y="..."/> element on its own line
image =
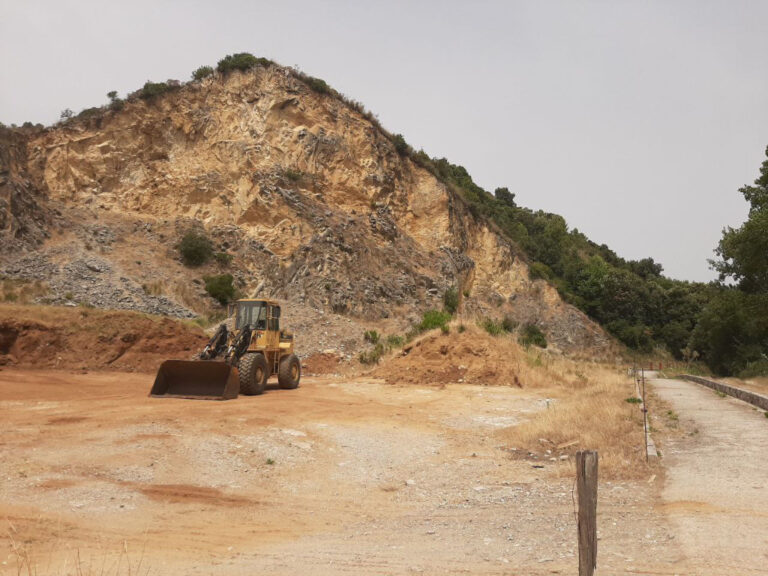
<point x="289" y="372"/>
<point x="253" y="373"/>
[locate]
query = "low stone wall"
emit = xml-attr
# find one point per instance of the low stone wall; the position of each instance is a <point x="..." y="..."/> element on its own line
<point x="745" y="395"/>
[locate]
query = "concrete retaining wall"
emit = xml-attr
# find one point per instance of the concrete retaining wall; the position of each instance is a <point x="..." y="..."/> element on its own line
<point x="745" y="395"/>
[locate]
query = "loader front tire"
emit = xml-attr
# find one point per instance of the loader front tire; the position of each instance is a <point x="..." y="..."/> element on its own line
<point x="289" y="372"/>
<point x="253" y="373"/>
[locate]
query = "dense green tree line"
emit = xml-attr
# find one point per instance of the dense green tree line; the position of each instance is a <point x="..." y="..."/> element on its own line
<point x="726" y="325"/>
<point x="732" y="333"/>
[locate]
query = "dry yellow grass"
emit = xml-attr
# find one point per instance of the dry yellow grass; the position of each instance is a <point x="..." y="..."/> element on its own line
<point x="588" y="410"/>
<point x="21" y="291"/>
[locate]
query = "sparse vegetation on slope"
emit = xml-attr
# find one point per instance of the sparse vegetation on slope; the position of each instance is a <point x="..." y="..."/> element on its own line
<point x="195" y="248"/>
<point x="220" y="287"/>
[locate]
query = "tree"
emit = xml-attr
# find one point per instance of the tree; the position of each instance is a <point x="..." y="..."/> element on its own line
<point x="645" y="268"/>
<point x="504" y="195"/>
<point x="66" y="114"/>
<point x="115" y="103"/>
<point x="743" y="251"/>
<point x="732" y="332"/>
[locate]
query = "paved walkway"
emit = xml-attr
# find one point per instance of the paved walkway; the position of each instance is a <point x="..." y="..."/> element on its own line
<point x="716" y="488"/>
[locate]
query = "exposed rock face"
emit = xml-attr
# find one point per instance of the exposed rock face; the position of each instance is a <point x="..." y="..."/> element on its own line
<point x="310" y="198"/>
<point x="23" y="221"/>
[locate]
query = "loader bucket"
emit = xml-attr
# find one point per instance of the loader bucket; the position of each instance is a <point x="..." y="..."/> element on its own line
<point x="196" y="379"/>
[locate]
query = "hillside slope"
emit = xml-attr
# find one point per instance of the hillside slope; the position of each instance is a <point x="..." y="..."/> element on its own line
<point x="311" y="199"/>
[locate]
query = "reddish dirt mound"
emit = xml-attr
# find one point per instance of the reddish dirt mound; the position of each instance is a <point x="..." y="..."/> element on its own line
<point x="86" y="338"/>
<point x="321" y="363"/>
<point x="472" y="356"/>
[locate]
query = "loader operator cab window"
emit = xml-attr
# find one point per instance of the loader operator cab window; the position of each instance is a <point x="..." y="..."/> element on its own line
<point x="253" y="314"/>
<point x="274" y="318"/>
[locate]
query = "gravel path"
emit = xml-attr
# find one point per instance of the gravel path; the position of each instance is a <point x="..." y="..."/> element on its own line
<point x="716" y="494"/>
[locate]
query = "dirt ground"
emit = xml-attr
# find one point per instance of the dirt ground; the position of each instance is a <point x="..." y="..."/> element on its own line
<point x="337" y="477"/>
<point x="715" y="492"/>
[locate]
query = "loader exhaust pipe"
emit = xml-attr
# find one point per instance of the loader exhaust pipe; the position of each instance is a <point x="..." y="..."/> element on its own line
<point x="196" y="379"/>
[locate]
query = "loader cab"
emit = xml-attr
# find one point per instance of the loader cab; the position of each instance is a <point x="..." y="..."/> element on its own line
<point x="263" y="316"/>
<point x="251" y="312"/>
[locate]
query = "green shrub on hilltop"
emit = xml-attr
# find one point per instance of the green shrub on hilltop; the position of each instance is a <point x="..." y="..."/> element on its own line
<point x="202" y="72"/>
<point x="241" y="61"/>
<point x="115" y="103"/>
<point x="401" y="145"/>
<point x="151" y="90"/>
<point x="318" y="85"/>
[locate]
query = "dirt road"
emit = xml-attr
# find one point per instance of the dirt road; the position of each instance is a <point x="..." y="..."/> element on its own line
<point x="337" y="477"/>
<point x="716" y="489"/>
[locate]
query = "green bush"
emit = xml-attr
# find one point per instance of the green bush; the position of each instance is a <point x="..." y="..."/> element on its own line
<point x="433" y="319"/>
<point x="508" y="324"/>
<point x="220" y="287"/>
<point x="754" y="369"/>
<point x="451" y="300"/>
<point x="89" y="113"/>
<point x="318" y="85"/>
<point x="293" y="175"/>
<point x="223" y="258"/>
<point x="373" y="355"/>
<point x="539" y="270"/>
<point x="371" y="336"/>
<point x="202" y="72"/>
<point x="395" y="341"/>
<point x="195" y="248"/>
<point x="154" y="89"/>
<point x="462" y="328"/>
<point x="115" y="103"/>
<point x="241" y="61"/>
<point x="491" y="326"/>
<point x="445" y="329"/>
<point x="532" y="335"/>
<point x="401" y="145"/>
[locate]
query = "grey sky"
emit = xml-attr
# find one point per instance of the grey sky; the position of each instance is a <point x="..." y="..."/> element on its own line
<point x="637" y="121"/>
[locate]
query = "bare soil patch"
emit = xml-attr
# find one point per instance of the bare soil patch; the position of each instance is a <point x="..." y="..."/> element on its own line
<point x="339" y="476"/>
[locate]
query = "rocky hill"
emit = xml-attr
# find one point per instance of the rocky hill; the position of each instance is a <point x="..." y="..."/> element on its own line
<point x="309" y="197"/>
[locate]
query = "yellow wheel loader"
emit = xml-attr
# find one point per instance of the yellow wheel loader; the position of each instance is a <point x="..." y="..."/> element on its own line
<point x="235" y="361"/>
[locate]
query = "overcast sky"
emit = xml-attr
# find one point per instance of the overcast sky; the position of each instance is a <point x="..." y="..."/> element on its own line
<point x="637" y="121"/>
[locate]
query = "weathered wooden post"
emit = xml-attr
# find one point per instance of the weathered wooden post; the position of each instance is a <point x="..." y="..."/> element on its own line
<point x="586" y="486"/>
